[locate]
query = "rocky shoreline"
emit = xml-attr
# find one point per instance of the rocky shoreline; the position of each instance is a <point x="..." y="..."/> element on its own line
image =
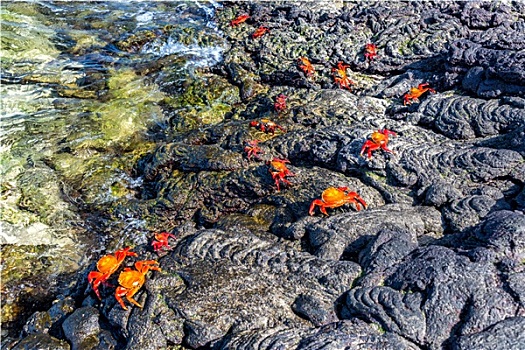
<point x="436" y="261"/>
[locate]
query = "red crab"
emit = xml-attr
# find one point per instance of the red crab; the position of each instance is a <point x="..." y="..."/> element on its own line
<point x="280" y="103"/>
<point x="240" y="19"/>
<point x="370" y="51"/>
<point x="132" y="280"/>
<point x="266" y="125"/>
<point x="416" y="92"/>
<point x="252" y="149"/>
<point x="279" y="171"/>
<point x="340" y="76"/>
<point x="106" y="266"/>
<point x="379" y="139"/>
<point x="260" y="32"/>
<point x="334" y="197"/>
<point x="306" y="66"/>
<point x="161" y="241"/>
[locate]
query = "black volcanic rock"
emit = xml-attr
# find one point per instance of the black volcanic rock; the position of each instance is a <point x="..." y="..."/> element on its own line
<point x="435" y="261"/>
<point x="507" y="334"/>
<point x="82" y="329"/>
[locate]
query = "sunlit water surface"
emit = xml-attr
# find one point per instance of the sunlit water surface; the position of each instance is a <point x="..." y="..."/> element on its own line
<point x="84" y="86"/>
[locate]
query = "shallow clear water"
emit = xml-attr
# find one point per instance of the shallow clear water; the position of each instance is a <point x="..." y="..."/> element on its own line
<point x="84" y="91"/>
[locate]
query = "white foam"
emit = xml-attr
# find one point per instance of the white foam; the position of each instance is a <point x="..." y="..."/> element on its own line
<point x="201" y="56"/>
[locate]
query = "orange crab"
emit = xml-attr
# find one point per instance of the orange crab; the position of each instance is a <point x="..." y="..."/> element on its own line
<point x="132" y="280"/>
<point x="280" y="103"/>
<point x="416" y="92"/>
<point x="260" y="32"/>
<point x="240" y="19"/>
<point x="334" y="197"/>
<point x="106" y="266"/>
<point x="340" y="76"/>
<point x="279" y="171"/>
<point x="370" y="51"/>
<point x="266" y="125"/>
<point x="306" y="66"/>
<point x="379" y="139"/>
<point x="252" y="150"/>
<point x="161" y="241"/>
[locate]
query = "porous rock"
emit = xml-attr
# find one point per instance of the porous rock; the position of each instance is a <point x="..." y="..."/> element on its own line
<point x="434" y="262"/>
<point x="504" y="231"/>
<point x="458" y="295"/>
<point x="507" y="334"/>
<point x="236" y="282"/>
<point x="340" y="335"/>
<point x="346" y="235"/>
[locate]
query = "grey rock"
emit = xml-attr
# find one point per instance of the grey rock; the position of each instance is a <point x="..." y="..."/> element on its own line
<point x="507" y="334"/>
<point x="313" y="310"/>
<point x="458" y="294"/>
<point x="516" y="282"/>
<point x="441" y="192"/>
<point x="434" y="262"/>
<point x="233" y="282"/>
<point x="461" y="117"/>
<point x="467" y="212"/>
<point x="354" y="334"/>
<point x="395" y="311"/>
<point x="500" y="74"/>
<point x="347" y="234"/>
<point x="503" y="231"/>
<point x="386" y="249"/>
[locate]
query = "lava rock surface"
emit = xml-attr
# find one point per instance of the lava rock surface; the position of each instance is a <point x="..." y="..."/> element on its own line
<point x="436" y="260"/>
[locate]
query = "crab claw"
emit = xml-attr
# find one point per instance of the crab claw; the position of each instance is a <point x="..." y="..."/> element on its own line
<point x="359" y="201"/>
<point x="95" y="278"/>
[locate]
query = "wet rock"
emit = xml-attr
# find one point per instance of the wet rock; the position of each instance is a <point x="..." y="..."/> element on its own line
<point x="30" y="283"/>
<point x="83" y="330"/>
<point x="41" y="341"/>
<point x="43" y="322"/>
<point x="434" y="261"/>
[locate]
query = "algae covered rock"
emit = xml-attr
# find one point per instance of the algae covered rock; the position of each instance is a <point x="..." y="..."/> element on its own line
<point x="41" y="341"/>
